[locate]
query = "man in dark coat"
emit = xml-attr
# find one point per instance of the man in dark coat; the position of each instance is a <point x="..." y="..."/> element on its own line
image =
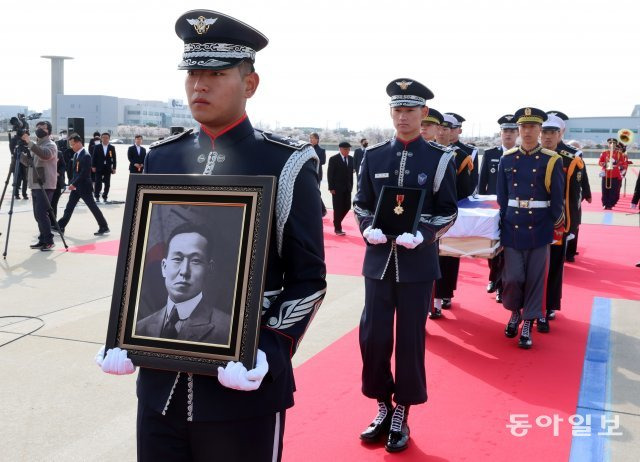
<point x="340" y="179"/>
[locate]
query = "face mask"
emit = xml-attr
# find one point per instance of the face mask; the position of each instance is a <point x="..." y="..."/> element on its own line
<point x="41" y="133"/>
<point x="63" y="137"/>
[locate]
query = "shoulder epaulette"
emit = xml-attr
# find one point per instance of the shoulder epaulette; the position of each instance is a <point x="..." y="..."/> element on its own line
<point x="548" y="152"/>
<point x="511" y="151"/>
<point x="286" y="141"/>
<point x="571" y="149"/>
<point x="568" y="154"/>
<point x="171" y="138"/>
<point x="375" y="146"/>
<point x="438" y="146"/>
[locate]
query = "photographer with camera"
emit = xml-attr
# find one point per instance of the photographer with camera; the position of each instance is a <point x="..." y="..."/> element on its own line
<point x="42" y="177"/>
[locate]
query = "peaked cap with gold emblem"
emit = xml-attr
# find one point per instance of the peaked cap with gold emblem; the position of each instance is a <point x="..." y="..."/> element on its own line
<point x="408" y="92"/>
<point x="433" y="117"/>
<point x="214" y="40"/>
<point x="530" y="115"/>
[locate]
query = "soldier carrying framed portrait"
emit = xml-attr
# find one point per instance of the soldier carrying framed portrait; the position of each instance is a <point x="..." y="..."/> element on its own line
<point x="190" y="279"/>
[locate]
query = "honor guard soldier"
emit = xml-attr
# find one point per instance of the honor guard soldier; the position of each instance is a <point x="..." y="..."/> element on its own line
<point x="456" y="130"/>
<point x="530" y="192"/>
<point x="572" y="244"/>
<point x="573" y="169"/>
<point x="430" y="125"/>
<point x="238" y="415"/>
<point x="399" y="273"/>
<point x="450" y="266"/>
<point x="487" y="186"/>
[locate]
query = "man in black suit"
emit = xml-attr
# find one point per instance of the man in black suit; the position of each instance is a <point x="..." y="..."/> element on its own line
<point x="136" y="154"/>
<point x="104" y="164"/>
<point x="187" y="316"/>
<point x="340" y="179"/>
<point x="80" y="187"/>
<point x="358" y="154"/>
<point x="314" y="139"/>
<point x="92" y="142"/>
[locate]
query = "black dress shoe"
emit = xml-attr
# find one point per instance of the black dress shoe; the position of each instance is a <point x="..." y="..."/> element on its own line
<point x="569" y="259"/>
<point x="498" y="296"/>
<point x="491" y="287"/>
<point x="446" y="303"/>
<point x="551" y="315"/>
<point x="25" y="197"/>
<point x="525" y="336"/>
<point x="512" y="326"/>
<point x="380" y="425"/>
<point x="436" y="313"/>
<point x="398" y="439"/>
<point x="37" y="245"/>
<point x="102" y="232"/>
<point x="542" y="324"/>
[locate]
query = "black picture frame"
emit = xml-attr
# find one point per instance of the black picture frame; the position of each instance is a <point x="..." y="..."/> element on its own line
<point x="386" y="217"/>
<point x="235" y="212"/>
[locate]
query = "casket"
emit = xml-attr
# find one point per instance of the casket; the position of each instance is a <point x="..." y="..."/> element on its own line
<point x="476" y="232"/>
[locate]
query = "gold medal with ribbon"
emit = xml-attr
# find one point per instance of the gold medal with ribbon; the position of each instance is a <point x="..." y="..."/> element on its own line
<point x="399" y="210"/>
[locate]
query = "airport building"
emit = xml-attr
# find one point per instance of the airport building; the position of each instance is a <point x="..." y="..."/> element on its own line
<point x="598" y="129"/>
<point x="104" y="113"/>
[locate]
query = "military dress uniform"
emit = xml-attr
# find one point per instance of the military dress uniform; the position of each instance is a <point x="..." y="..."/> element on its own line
<point x="398" y="281"/>
<point x="184" y="414"/>
<point x="573" y="169"/>
<point x="572" y="244"/>
<point x="487" y="186"/>
<point x="450" y="266"/>
<point x="468" y="149"/>
<point x="530" y="192"/>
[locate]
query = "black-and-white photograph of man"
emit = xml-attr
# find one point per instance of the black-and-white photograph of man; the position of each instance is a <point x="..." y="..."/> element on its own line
<point x="197" y="270"/>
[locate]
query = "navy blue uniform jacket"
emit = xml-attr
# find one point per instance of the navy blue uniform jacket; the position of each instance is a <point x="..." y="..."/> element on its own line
<point x="489" y="170"/>
<point x="295" y="276"/>
<point x="417" y="164"/>
<point x="537" y="176"/>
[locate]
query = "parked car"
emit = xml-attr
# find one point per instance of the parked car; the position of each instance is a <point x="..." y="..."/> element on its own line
<point x="117" y="141"/>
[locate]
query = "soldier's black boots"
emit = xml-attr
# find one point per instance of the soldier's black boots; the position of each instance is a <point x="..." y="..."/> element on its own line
<point x="512" y="326"/>
<point x="380" y="425"/>
<point x="525" y="336"/>
<point x="398" y="439"/>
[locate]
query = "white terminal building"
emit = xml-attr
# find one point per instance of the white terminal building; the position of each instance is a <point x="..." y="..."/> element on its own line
<point x="104" y="113"/>
<point x="598" y="129"/>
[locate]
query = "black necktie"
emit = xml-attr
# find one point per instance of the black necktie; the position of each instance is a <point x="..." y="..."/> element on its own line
<point x="169" y="330"/>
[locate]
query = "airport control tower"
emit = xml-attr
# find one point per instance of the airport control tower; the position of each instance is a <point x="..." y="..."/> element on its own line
<point x="57" y="86"/>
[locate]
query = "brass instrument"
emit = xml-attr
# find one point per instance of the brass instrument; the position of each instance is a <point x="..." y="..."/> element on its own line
<point x="625" y="136"/>
<point x="608" y="166"/>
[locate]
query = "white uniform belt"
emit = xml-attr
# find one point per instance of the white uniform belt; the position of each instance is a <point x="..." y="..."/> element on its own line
<point x="528" y="204"/>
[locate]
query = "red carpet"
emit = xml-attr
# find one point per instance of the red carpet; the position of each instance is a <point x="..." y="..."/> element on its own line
<point x="98" y="248"/>
<point x="476" y="376"/>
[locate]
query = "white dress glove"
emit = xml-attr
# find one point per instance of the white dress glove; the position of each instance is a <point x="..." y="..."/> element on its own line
<point x="410" y="241"/>
<point x="116" y="362"/>
<point x="374" y="236"/>
<point x="236" y="376"/>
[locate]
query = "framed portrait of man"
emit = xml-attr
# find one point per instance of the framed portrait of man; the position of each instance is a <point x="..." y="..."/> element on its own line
<point x="190" y="273"/>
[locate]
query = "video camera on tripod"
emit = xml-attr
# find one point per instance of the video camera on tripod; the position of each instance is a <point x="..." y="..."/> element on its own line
<point x="20" y="125"/>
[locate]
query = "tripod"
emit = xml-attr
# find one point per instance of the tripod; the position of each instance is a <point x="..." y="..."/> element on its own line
<point x="50" y="211"/>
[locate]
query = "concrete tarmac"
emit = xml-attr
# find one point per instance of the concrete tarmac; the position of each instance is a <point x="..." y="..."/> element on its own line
<point x="57" y="405"/>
